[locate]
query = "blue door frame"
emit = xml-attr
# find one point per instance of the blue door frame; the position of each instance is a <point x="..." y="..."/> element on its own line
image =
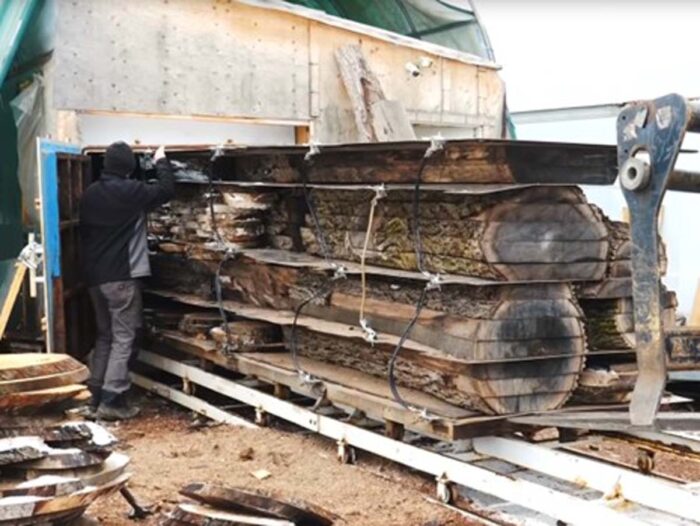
<point x="50" y="224"/>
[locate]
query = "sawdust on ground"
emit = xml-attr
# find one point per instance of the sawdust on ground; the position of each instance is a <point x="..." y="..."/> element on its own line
<point x="167" y="453"/>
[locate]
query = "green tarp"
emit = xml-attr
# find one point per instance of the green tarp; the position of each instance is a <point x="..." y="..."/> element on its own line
<point x="449" y="23"/>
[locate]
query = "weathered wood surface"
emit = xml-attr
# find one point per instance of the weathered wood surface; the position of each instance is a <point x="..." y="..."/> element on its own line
<point x="354" y="384"/>
<point x="376" y="118"/>
<point x="487" y="236"/>
<point x="501" y="328"/>
<point x="31" y="365"/>
<point x="462" y="161"/>
<point x="21" y="449"/>
<point x="59" y="459"/>
<point x="44" y="486"/>
<point x="199" y="515"/>
<point x="247" y="336"/>
<point x="264" y="502"/>
<point x="237" y="218"/>
<point x="15" y="402"/>
<point x="517" y="346"/>
<point x="74" y="376"/>
<point x="19" y="508"/>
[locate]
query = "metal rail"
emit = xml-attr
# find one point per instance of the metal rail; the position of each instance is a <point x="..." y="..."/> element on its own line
<point x="627" y="498"/>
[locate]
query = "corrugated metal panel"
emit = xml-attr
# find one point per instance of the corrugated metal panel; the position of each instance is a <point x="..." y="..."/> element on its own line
<point x="14" y="19"/>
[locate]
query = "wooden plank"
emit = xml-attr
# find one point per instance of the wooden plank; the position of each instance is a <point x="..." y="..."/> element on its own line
<point x="694" y="319"/>
<point x="60" y="459"/>
<point x="264" y="502"/>
<point x="198" y="515"/>
<point x="463" y="161"/>
<point x="75" y="376"/>
<point x="390" y="121"/>
<point x="21" y="449"/>
<point x="362" y="86"/>
<point x="44" y="486"/>
<point x="11" y="298"/>
<point x="31" y="365"/>
<point x="36" y="508"/>
<point x="43" y="397"/>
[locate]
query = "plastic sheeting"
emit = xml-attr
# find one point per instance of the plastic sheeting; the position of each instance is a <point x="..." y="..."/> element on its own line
<point x="28" y="112"/>
<point x="449" y="23"/>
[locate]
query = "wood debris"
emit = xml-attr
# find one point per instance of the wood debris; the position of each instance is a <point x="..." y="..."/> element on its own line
<point x="51" y="468"/>
<point x="210" y="503"/>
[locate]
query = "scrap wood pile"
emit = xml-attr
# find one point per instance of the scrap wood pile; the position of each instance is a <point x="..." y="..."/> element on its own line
<point x="209" y="504"/>
<point x="528" y="303"/>
<point x="51" y="468"/>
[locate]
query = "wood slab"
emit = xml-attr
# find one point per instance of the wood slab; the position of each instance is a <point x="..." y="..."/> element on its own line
<point x="205" y="516"/>
<point x="77" y="375"/>
<point x="15" y="402"/>
<point x="44" y="486"/>
<point x="266" y="503"/>
<point x="31" y="365"/>
<point x="22" y="449"/>
<point x="59" y="459"/>
<point x="18" y="508"/>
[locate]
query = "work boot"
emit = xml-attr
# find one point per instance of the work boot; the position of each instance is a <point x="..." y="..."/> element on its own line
<point x="90" y="411"/>
<point x="115" y="407"/>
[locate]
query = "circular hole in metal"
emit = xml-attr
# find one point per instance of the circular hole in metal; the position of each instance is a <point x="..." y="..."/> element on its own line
<point x="632" y="173"/>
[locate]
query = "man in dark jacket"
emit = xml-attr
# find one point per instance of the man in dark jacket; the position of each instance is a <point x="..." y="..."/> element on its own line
<point x="115" y="253"/>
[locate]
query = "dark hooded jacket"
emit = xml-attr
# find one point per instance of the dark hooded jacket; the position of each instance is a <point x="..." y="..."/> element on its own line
<point x="113" y="217"/>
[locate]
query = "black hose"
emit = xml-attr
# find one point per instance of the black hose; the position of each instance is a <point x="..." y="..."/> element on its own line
<point x="418" y="247"/>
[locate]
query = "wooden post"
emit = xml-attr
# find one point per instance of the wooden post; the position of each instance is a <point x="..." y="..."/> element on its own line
<point x="282" y="391"/>
<point x="393" y="430"/>
<point x="13" y="293"/>
<point x="302" y="135"/>
<point x="694" y="319"/>
<point x="376" y="118"/>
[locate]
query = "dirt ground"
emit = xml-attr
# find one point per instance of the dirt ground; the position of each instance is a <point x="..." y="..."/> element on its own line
<point x="167" y="452"/>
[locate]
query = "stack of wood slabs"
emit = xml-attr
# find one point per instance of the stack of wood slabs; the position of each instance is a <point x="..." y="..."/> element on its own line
<point x="523" y="269"/>
<point x="211" y="504"/>
<point x="54" y="484"/>
<point x="51" y="468"/>
<point x="190" y="220"/>
<point x="32" y="382"/>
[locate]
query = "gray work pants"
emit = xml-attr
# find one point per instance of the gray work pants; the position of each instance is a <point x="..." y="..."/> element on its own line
<point x="118" y="313"/>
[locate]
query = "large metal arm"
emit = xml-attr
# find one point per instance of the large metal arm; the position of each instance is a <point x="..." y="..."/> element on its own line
<point x="649" y="137"/>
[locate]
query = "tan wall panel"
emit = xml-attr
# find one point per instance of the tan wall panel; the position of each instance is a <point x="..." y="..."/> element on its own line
<point x="181" y="57"/>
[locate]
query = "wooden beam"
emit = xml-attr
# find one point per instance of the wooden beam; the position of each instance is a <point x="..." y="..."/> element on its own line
<point x="13" y="293"/>
<point x="376" y="118"/>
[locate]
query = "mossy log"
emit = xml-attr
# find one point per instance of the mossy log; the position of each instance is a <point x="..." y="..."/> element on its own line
<point x="526" y="234"/>
<point x="506" y="348"/>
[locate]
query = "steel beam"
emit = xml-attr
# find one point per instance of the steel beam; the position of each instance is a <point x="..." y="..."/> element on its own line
<point x="613" y="481"/>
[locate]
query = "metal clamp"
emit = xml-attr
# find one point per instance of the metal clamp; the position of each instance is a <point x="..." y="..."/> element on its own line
<point x="370" y="335"/>
<point x="434" y="281"/>
<point x="30" y="256"/>
<point x="314" y="150"/>
<point x="437" y="144"/>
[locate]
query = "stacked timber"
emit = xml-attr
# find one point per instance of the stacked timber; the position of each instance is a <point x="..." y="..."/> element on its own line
<point x="51" y="468"/>
<point x="209" y="504"/>
<point x="193" y="219"/>
<point x="535" y="300"/>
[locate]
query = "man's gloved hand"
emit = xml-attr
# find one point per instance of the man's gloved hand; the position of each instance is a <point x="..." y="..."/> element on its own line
<point x="160" y="154"/>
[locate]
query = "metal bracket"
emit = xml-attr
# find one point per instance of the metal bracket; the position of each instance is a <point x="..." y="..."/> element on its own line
<point x="649" y="137"/>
